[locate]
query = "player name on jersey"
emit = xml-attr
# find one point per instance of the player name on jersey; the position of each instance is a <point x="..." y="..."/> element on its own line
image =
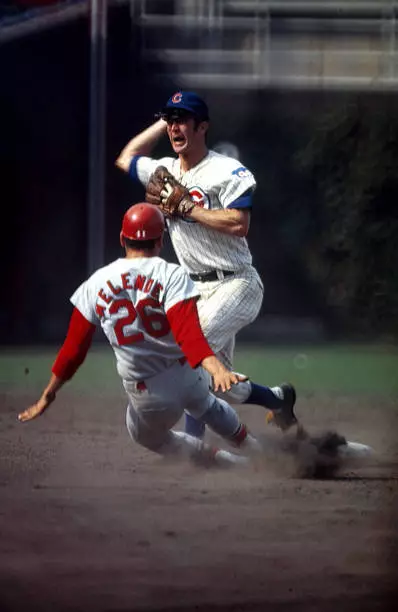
<point x="128" y="281"/>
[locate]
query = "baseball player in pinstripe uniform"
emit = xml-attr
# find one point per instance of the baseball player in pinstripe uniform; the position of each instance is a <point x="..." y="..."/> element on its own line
<point x="208" y="231"/>
<point x="147" y="310"/>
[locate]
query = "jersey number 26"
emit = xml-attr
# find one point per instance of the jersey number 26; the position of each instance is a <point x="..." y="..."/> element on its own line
<point x="155" y="323"/>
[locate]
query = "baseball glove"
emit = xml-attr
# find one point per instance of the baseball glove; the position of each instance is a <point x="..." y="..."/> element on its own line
<point x="165" y="191"/>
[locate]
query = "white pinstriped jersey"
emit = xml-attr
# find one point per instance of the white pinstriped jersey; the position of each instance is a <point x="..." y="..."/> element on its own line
<point x="214" y="183"/>
<point x="129" y="299"/>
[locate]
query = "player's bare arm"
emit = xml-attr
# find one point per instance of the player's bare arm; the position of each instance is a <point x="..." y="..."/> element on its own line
<point x="223" y="379"/>
<point x="173" y="198"/>
<point x="70" y="357"/>
<point x="142" y="144"/>
<point x="231" y="221"/>
<point x="46" y="399"/>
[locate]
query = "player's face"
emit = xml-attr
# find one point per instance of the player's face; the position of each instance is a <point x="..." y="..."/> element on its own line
<point x="184" y="135"/>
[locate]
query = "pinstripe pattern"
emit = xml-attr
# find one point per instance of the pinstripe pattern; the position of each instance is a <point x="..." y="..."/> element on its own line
<point x="225" y="306"/>
<point x="220" y="180"/>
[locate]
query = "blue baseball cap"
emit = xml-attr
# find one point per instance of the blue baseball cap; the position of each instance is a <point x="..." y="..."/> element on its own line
<point x="187" y="101"/>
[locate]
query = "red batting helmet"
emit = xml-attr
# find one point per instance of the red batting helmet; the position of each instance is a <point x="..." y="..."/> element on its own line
<point x="142" y="221"/>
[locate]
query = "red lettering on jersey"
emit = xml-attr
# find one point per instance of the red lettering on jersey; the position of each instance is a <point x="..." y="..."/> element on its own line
<point x="100" y="310"/>
<point x="104" y="297"/>
<point x="139" y="282"/>
<point x="156" y="290"/>
<point x="148" y="285"/>
<point x="115" y="290"/>
<point x="126" y="281"/>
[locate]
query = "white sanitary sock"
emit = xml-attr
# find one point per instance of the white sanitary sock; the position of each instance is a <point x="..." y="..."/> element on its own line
<point x="196" y="449"/>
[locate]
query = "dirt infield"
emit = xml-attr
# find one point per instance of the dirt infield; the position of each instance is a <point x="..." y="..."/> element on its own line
<point x="89" y="521"/>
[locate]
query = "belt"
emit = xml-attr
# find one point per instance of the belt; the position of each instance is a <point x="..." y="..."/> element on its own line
<point x="206" y="277"/>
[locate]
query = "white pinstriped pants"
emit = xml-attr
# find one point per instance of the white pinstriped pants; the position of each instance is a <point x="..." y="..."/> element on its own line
<point x="226" y="306"/>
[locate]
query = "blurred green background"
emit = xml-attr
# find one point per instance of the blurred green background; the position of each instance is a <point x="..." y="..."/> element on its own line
<point x="335" y="369"/>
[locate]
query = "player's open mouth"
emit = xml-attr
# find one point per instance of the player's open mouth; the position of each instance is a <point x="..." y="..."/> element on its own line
<point x="179" y="143"/>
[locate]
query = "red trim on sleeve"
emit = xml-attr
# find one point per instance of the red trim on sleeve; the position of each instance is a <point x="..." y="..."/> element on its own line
<point x="75" y="347"/>
<point x="184" y="321"/>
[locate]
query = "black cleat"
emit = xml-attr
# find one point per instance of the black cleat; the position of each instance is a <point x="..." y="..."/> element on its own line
<point x="284" y="417"/>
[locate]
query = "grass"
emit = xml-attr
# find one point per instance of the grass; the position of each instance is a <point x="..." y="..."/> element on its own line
<point x="342" y="369"/>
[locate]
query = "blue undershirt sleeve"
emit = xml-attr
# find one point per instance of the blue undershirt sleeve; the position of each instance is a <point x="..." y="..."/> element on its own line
<point x="244" y="201"/>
